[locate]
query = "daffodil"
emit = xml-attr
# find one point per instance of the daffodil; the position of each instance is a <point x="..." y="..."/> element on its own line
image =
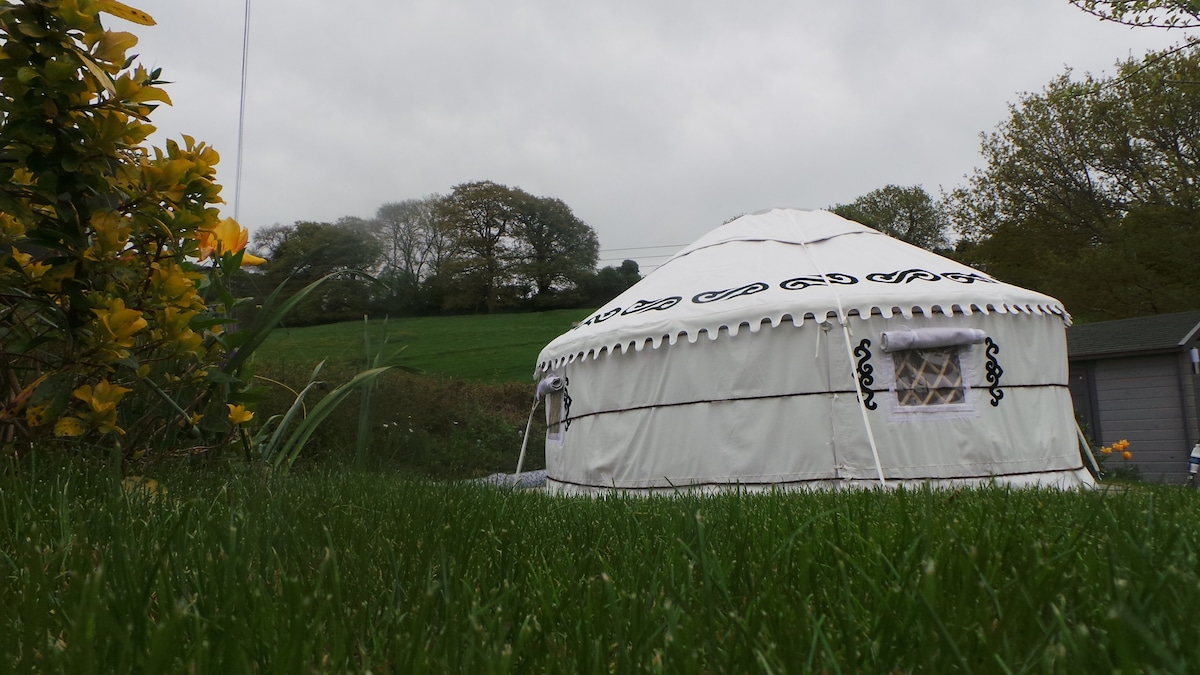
<point x="238" y="414"/>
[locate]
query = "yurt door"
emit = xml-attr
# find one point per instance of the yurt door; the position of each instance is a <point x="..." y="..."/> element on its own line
<point x="852" y="360"/>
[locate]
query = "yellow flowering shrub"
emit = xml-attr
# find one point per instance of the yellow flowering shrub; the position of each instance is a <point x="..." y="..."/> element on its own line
<point x="114" y="258"/>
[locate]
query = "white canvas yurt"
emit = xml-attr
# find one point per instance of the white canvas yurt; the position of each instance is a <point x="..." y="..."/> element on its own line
<point x="797" y="349"/>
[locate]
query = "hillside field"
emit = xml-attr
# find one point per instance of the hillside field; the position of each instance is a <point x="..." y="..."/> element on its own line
<point x="481" y="348"/>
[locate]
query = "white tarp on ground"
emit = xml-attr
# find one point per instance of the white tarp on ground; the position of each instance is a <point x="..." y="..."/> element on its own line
<point x="730" y="365"/>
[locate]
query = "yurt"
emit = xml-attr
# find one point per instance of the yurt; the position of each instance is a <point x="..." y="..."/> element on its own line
<point x="795" y="349"/>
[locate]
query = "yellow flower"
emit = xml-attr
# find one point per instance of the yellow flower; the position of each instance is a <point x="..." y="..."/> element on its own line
<point x="69" y="427"/>
<point x="139" y="486"/>
<point x="238" y="414"/>
<point x="1127" y="454"/>
<point x="32" y="269"/>
<point x="112" y="234"/>
<point x="227" y="237"/>
<point x="102" y="399"/>
<point x="172" y="283"/>
<point x="10" y="226"/>
<point x="120" y="322"/>
<point x="1106" y="450"/>
<point x="35" y="415"/>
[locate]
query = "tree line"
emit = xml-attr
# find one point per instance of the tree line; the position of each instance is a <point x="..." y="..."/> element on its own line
<point x="482" y="248"/>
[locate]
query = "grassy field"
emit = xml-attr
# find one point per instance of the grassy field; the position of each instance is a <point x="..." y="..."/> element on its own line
<point x="461" y="417"/>
<point x="336" y="571"/>
<point x="482" y="348"/>
<point x="226" y="567"/>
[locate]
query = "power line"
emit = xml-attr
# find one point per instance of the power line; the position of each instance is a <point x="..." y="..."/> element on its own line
<point x="640" y="257"/>
<point x="640" y="248"/>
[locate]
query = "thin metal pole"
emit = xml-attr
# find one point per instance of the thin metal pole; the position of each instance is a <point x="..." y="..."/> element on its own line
<point x="237" y="199"/>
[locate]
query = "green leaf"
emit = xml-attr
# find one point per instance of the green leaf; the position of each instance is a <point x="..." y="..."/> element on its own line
<point x="291" y="450"/>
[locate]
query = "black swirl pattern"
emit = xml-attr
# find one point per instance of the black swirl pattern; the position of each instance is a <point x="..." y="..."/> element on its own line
<point x="729" y="293"/>
<point x="655" y="305"/>
<point x="866" y="376"/>
<point x="903" y="277"/>
<point x="993" y="371"/>
<point x="967" y="277"/>
<point x="566" y="404"/>
<point x="601" y="318"/>
<point x="800" y="283"/>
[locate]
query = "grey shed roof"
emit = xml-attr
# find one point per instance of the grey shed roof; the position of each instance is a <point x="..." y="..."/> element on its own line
<point x="1165" y="332"/>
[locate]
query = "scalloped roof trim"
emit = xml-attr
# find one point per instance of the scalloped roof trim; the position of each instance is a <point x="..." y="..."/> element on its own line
<point x="714" y="333"/>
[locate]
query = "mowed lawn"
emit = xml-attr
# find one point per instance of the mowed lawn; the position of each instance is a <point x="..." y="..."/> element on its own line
<point x="483" y="348"/>
<point x="330" y="571"/>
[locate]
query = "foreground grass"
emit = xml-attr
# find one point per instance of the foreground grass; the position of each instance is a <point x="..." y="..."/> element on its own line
<point x="334" y="571"/>
<point x="483" y="348"/>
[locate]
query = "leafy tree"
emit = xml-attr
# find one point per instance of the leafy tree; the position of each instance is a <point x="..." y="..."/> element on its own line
<point x="104" y="329"/>
<point x="481" y="218"/>
<point x="555" y="250"/>
<point x="1147" y="13"/>
<point x="609" y="282"/>
<point x="306" y="251"/>
<point x="906" y="213"/>
<point x="1078" y="179"/>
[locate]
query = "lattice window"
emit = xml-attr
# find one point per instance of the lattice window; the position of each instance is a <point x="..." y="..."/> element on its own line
<point x="928" y="377"/>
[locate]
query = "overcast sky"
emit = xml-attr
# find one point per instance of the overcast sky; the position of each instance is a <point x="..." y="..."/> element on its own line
<point x="655" y="121"/>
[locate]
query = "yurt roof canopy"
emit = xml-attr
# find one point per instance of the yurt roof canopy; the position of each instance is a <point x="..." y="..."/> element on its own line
<point x="787" y="265"/>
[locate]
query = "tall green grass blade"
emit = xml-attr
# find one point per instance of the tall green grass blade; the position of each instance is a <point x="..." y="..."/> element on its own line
<point x="296" y="442"/>
<point x="268" y="448"/>
<point x="249" y="340"/>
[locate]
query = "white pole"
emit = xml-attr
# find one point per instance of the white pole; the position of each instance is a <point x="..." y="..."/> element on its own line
<point x="525" y="439"/>
<point x="1087" y="449"/>
<point x="862" y="406"/>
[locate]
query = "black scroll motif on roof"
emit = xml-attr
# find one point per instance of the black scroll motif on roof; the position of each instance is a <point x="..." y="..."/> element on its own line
<point x="902" y="277"/>
<point x="866" y="376"/>
<point x="729" y="293"/>
<point x="600" y="318"/>
<point x="801" y="283"/>
<point x="967" y="277"/>
<point x="993" y="371"/>
<point x="655" y="305"/>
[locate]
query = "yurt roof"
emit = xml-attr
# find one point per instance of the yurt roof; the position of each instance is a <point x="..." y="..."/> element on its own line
<point x="786" y="265"/>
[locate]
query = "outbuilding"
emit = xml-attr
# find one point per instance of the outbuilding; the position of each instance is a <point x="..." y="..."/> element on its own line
<point x="1139" y="379"/>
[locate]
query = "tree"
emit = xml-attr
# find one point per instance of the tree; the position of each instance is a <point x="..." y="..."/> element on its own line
<point x="1078" y="176"/>
<point x="906" y="213"/>
<point x="1145" y="13"/>
<point x="306" y="251"/>
<point x="609" y="282"/>
<point x="412" y="246"/>
<point x="480" y="217"/>
<point x="555" y="250"/>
